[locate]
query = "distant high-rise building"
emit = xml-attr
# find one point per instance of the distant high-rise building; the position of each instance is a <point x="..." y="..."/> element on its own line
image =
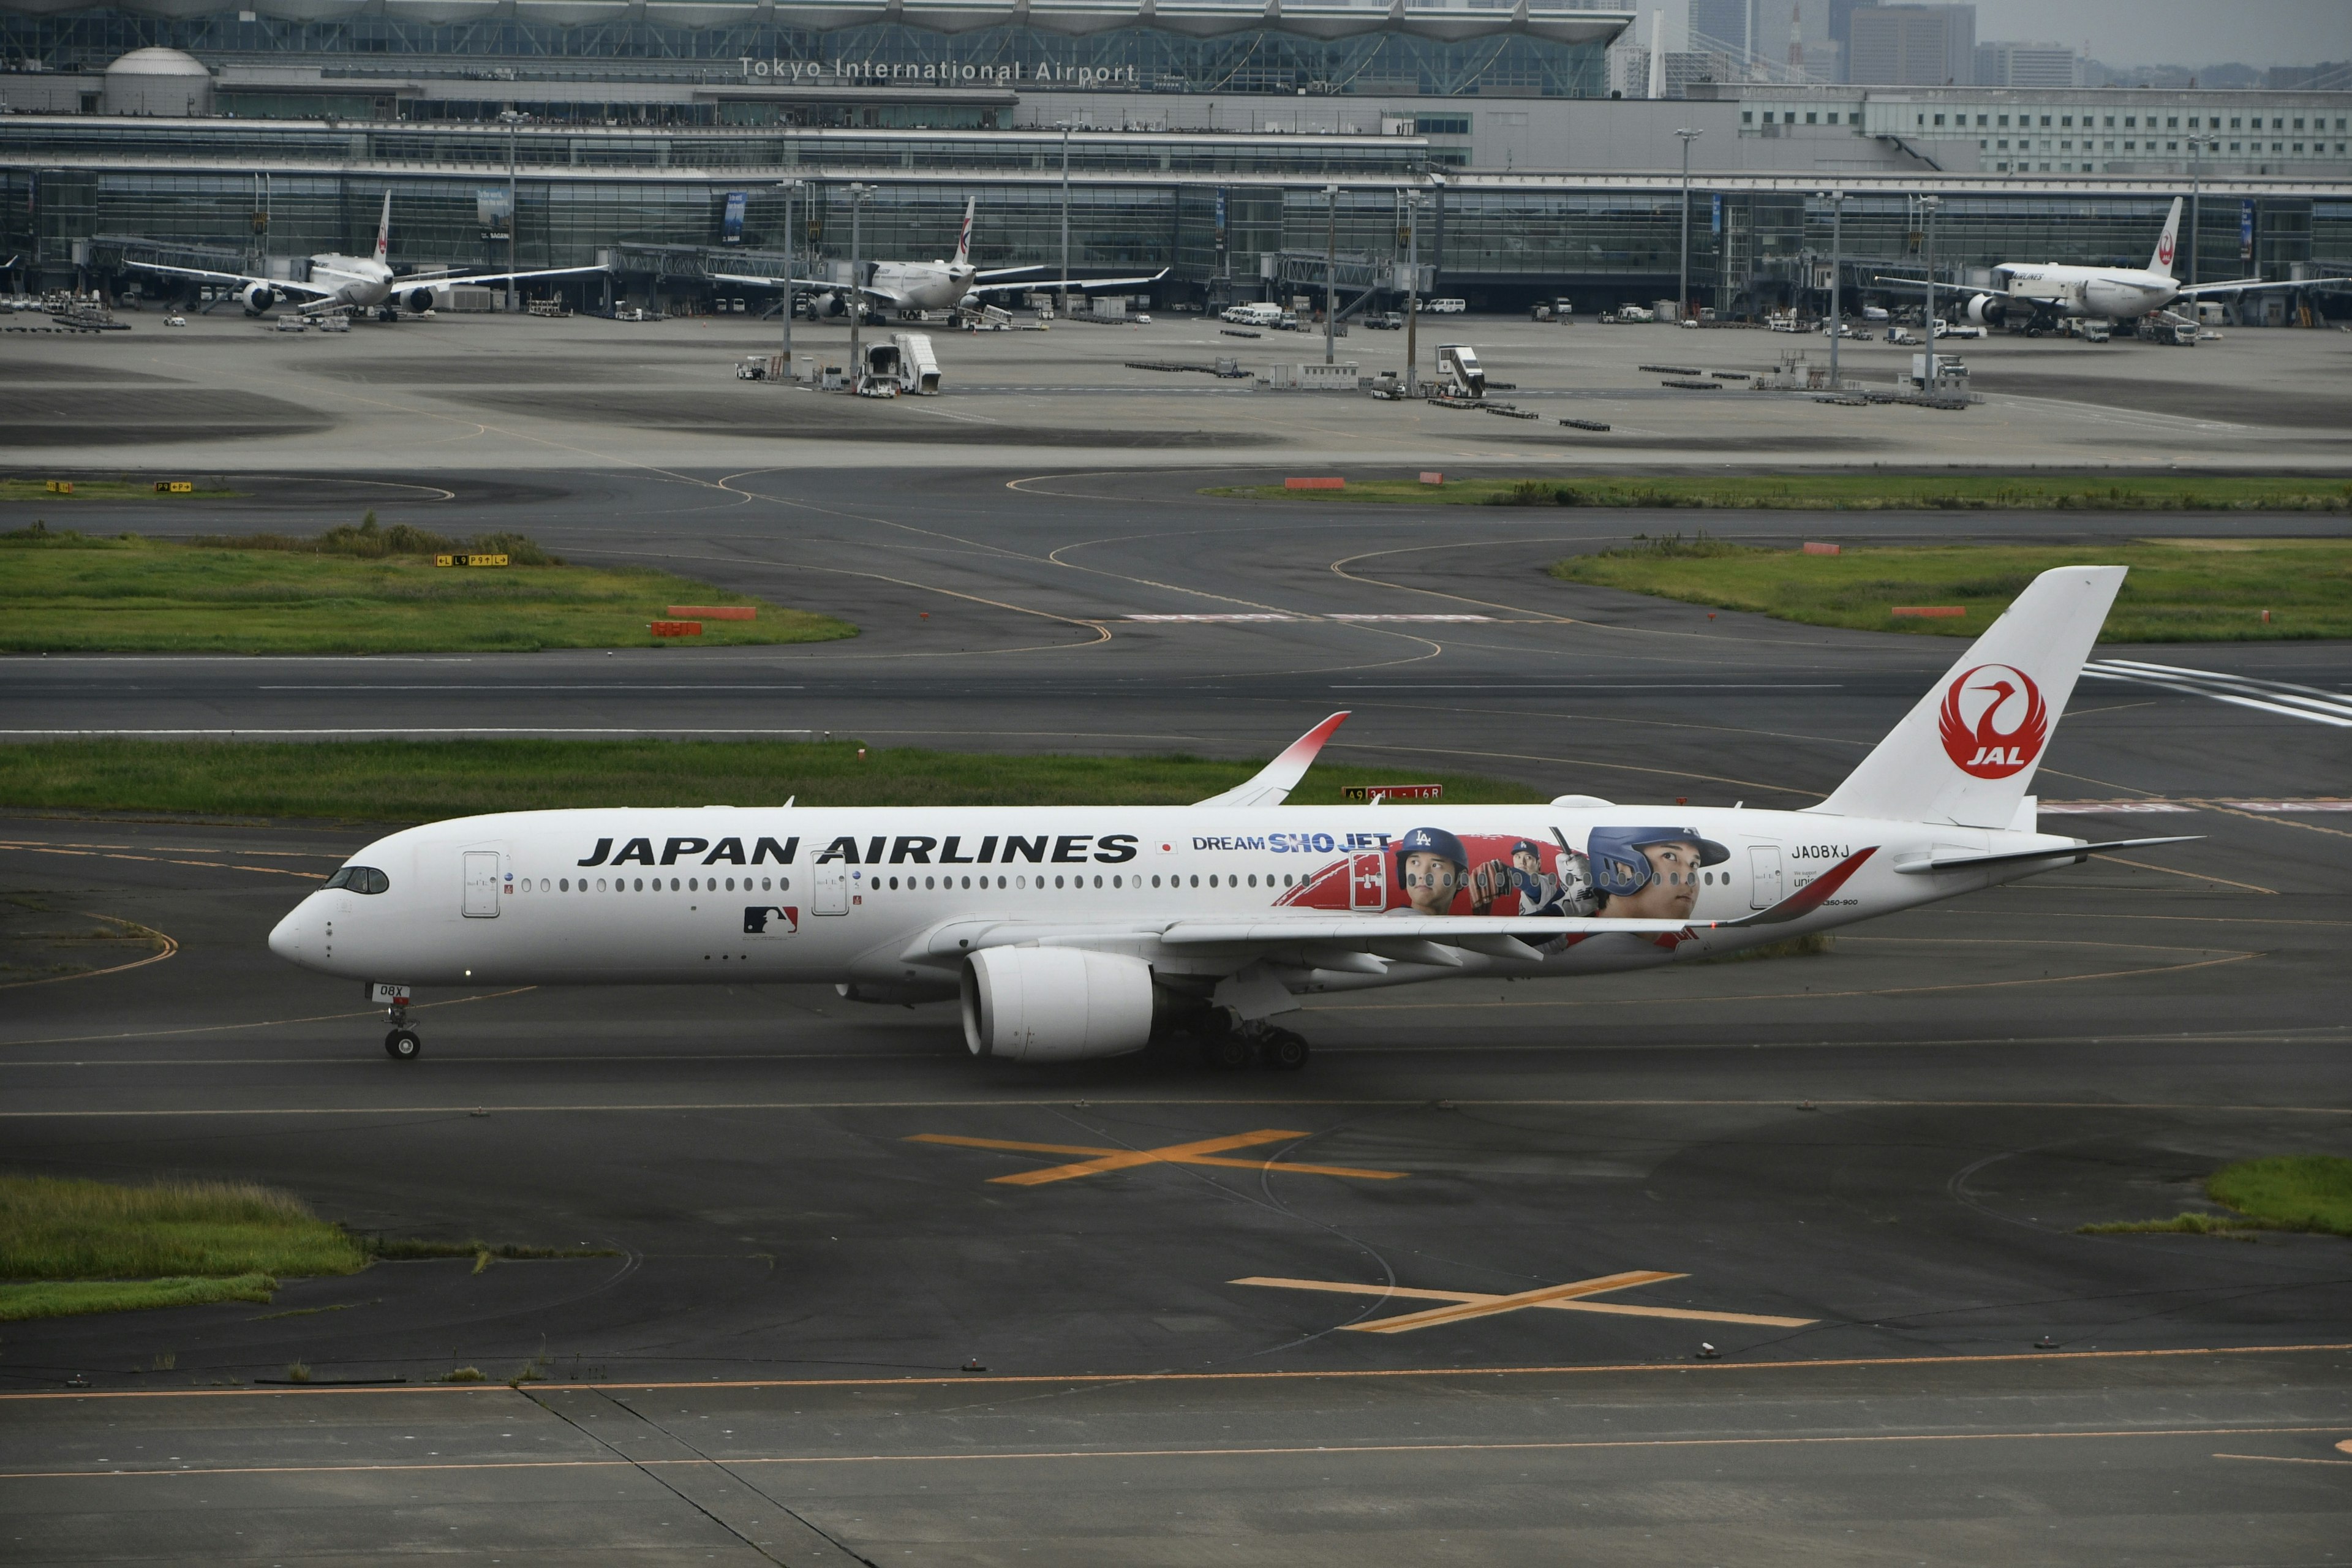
<point x="2003" y="64"/>
<point x="1912" y="46"/>
<point x="1719" y="25"/>
<point x="1841" y="26"/>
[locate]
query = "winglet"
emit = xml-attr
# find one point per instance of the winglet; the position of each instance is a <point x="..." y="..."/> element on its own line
<point x="1275" y="781"/>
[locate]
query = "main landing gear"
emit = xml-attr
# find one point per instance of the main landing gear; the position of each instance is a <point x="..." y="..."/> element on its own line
<point x="402" y="1045"/>
<point x="1265" y="1045"/>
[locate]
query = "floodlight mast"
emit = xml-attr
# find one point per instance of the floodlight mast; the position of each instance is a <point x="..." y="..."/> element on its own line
<point x="857" y="195"/>
<point x="1682" y="299"/>
<point x="2197" y="144"/>
<point x="1062" y="306"/>
<point x="1330" y="270"/>
<point x="1837" y="277"/>
<point x="511" y="119"/>
<point x="791" y="188"/>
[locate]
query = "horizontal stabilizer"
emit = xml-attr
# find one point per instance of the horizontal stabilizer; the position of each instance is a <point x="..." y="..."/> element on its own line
<point x="1275" y="781"/>
<point x="2076" y="852"/>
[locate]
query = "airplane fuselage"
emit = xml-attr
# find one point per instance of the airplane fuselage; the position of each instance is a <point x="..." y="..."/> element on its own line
<point x="897" y="898"/>
<point x="2112" y="293"/>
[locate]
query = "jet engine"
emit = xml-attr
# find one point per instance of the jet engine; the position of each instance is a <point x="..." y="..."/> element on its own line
<point x="1055" y="1004"/>
<point x="418" y="300"/>
<point x="1987" y="309"/>
<point x="259" y="297"/>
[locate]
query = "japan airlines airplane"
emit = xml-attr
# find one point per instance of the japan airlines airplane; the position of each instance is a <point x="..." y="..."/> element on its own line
<point x="1069" y="932"/>
<point x="2041" y="292"/>
<point x="928" y="285"/>
<point x="355" y="283"/>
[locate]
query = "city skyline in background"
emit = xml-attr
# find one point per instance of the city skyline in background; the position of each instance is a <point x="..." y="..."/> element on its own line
<point x="2118" y="33"/>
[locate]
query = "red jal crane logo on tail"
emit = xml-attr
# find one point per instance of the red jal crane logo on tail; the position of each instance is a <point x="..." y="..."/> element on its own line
<point x="1975" y="705"/>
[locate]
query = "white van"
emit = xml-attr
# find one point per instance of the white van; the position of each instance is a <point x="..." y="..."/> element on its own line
<point x="1255" y="315"/>
<point x="1448" y="307"/>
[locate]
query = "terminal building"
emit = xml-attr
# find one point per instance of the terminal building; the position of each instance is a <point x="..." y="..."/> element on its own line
<point x="1219" y="139"/>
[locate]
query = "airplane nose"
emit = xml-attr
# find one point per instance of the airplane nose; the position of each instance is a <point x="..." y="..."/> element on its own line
<point x="286" y="940"/>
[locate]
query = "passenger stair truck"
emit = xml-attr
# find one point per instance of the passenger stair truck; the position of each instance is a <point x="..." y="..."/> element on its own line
<point x="906" y="363"/>
<point x="1458" y="374"/>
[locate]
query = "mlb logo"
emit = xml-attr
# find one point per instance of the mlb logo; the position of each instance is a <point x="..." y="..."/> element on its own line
<point x="770" y="920"/>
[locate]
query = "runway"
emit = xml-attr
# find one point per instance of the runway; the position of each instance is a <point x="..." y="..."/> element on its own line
<point x="1449" y="1296"/>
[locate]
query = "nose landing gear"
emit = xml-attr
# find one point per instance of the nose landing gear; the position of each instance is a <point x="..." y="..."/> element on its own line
<point x="402" y="1045"/>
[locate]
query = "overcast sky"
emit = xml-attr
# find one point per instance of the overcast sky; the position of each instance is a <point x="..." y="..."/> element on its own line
<point x="2180" y="32"/>
<point x="2155" y="32"/>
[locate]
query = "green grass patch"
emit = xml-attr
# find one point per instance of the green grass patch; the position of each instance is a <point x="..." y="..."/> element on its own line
<point x="406" y="781"/>
<point x="2179" y="590"/>
<point x="125" y="488"/>
<point x="1857" y="493"/>
<point x="75" y="1298"/>
<point x="58" y="1229"/>
<point x="2290" y="1192"/>
<point x="352" y="590"/>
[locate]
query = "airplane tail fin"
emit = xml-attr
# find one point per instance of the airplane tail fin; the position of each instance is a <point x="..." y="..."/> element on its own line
<point x="2161" y="262"/>
<point x="1967" y="752"/>
<point x="383" y="229"/>
<point x="963" y="240"/>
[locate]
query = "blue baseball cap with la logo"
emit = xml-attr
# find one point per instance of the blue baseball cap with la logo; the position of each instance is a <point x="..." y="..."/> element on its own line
<point x="1431" y="841"/>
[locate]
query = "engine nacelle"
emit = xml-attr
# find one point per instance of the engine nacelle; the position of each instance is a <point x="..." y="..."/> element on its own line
<point x="1987" y="309"/>
<point x="419" y="300"/>
<point x="1055" y="1004"/>
<point x="259" y="297"/>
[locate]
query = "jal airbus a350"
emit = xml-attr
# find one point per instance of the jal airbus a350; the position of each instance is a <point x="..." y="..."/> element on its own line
<point x="930" y="285"/>
<point x="2041" y="292"/>
<point x="1069" y="932"/>
<point x="355" y="283"/>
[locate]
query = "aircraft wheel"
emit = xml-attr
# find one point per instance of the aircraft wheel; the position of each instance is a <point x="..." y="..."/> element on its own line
<point x="402" y="1045"/>
<point x="1284" y="1051"/>
<point x="1226" y="1051"/>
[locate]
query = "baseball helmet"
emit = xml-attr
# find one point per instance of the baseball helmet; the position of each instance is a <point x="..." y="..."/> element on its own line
<point x="1431" y="841"/>
<point x="1621" y="869"/>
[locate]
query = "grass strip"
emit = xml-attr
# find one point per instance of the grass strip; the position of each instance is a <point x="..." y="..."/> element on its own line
<point x="2287" y="1192"/>
<point x="1855" y="493"/>
<point x="53" y="1228"/>
<point x="408" y="781"/>
<point x="2179" y="589"/>
<point x="352" y="590"/>
<point x="76" y="1297"/>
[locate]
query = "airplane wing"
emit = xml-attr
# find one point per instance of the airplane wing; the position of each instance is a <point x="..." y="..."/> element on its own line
<point x="1078" y="283"/>
<point x="825" y="285"/>
<point x="1007" y="271"/>
<point x="444" y="278"/>
<point x="2249" y="285"/>
<point x="1969" y="289"/>
<point x="242" y="279"/>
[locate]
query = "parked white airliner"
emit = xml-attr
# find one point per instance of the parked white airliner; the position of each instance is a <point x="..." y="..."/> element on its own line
<point x="930" y="285"/>
<point x="2041" y="292"/>
<point x="1069" y="932"/>
<point x="355" y="283"/>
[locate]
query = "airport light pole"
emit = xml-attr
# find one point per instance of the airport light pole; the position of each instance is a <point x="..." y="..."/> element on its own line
<point x="1837" y="276"/>
<point x="1412" y="287"/>
<point x="1927" y="205"/>
<point x="1330" y="270"/>
<point x="857" y="195"/>
<point x="512" y="119"/>
<point x="791" y="188"/>
<point x="1682" y="299"/>
<point x="1062" y="295"/>
<point x="2197" y="144"/>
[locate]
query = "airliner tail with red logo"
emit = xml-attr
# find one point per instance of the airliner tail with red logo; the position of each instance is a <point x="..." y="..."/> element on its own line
<point x="1966" y="755"/>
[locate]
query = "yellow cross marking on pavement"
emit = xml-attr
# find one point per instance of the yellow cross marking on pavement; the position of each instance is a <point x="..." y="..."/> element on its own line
<point x="1202" y="1152"/>
<point x="1568" y="1297"/>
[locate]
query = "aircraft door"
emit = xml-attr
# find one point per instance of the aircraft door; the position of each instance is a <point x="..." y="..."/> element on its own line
<point x="831" y="891"/>
<point x="1368" y="881"/>
<point x="482" y="883"/>
<point x="1763" y="876"/>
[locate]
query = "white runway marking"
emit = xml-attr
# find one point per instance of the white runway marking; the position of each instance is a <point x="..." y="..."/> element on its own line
<point x="2310" y="703"/>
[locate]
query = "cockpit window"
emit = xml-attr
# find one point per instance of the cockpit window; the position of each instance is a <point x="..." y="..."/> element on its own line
<point x="360" y="880"/>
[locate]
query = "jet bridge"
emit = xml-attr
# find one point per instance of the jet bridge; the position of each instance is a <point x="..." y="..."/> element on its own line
<point x="1295" y="270"/>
